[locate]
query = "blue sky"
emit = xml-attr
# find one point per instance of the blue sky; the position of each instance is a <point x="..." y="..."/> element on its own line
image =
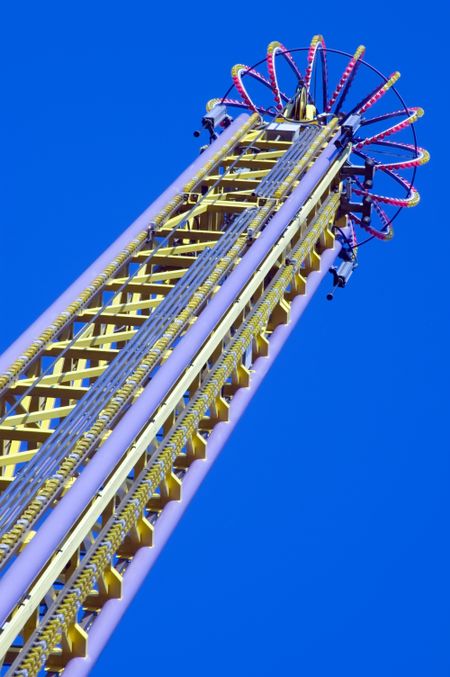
<point x="334" y="561"/>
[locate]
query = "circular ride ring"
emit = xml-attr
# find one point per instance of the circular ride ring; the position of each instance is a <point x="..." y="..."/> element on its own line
<point x="400" y="155"/>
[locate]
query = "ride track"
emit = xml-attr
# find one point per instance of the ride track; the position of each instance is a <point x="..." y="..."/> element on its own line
<point x="112" y="416"/>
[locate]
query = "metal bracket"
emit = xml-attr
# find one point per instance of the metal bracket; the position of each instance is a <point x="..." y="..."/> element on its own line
<point x="347" y="206"/>
<point x="151" y="230"/>
<point x="364" y="207"/>
<point x="367" y="171"/>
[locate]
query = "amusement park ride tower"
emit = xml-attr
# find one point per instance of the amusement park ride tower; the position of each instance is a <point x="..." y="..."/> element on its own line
<point x="117" y="400"/>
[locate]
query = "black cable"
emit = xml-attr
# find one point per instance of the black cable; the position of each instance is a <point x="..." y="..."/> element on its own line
<point x="350" y="245"/>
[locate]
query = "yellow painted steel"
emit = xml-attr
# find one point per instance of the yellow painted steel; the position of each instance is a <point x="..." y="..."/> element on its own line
<point x="273" y="298"/>
<point x="64" y="618"/>
<point x="54" y="484"/>
<point x="137" y="452"/>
